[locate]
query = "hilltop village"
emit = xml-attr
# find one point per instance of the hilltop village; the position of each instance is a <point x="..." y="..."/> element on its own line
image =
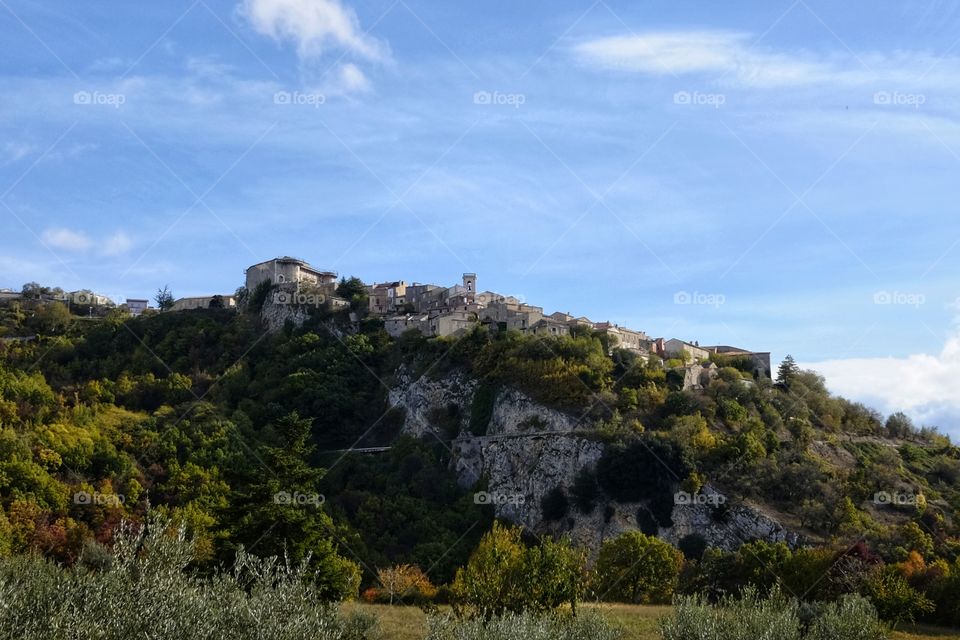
<point x="433" y="310"/>
<point x="439" y="311"/>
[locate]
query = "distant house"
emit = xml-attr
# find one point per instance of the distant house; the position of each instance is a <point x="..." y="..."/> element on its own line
<point x="7" y="294"/>
<point x="387" y="297"/>
<point x="287" y="270"/>
<point x="136" y="306"/>
<point x="203" y="302"/>
<point x="87" y="298"/>
<point x="759" y="359"/>
<point x="623" y="338"/>
<point x="397" y="325"/>
<point x="675" y="348"/>
<point x="549" y="327"/>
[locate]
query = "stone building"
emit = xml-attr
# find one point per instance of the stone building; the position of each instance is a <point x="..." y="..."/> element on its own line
<point x="387" y="297"/>
<point x="675" y="348"/>
<point x="203" y="302"/>
<point x="287" y="270"/>
<point x="759" y="359"/>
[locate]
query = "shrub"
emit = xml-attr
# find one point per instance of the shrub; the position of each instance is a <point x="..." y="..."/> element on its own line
<point x="403" y="583"/>
<point x="636" y="568"/>
<point x="775" y="617"/>
<point x="852" y="618"/>
<point x="893" y="597"/>
<point x="525" y="626"/>
<point x="503" y="575"/>
<point x="146" y="592"/>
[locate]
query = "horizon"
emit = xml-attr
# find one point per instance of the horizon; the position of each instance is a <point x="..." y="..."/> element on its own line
<point x="788" y="167"/>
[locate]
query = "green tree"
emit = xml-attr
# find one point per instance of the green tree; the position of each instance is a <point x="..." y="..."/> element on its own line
<point x="53" y="317"/>
<point x="164" y="298"/>
<point x="503" y="575"/>
<point x="355" y="291"/>
<point x="636" y="568"/>
<point x="279" y="511"/>
<point x="787" y="372"/>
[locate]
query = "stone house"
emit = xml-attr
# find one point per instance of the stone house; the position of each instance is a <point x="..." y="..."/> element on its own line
<point x="549" y="327"/>
<point x="623" y="338"/>
<point x="397" y="325"/>
<point x="759" y="359"/>
<point x="674" y="348"/>
<point x="387" y="297"/>
<point x="203" y="302"/>
<point x="287" y="270"/>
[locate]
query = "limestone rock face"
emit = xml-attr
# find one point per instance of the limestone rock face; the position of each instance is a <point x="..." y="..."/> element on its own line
<point x="516" y="413"/>
<point x="427" y="402"/>
<point x="274" y="316"/>
<point x="529" y="450"/>
<point x="726" y="527"/>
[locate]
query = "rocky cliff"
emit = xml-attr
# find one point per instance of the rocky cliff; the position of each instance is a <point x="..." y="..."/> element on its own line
<point x="528" y="450"/>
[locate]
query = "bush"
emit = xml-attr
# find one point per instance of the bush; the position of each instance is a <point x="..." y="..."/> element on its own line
<point x="636" y="568"/>
<point x="776" y="617"/>
<point x="146" y="592"/>
<point x="523" y="626"/>
<point x="503" y="575"/>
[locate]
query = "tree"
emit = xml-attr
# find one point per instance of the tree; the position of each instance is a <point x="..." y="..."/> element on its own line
<point x="404" y="581"/>
<point x="636" y="568"/>
<point x="216" y="302"/>
<point x="164" y="298"/>
<point x="899" y="425"/>
<point x="355" y="291"/>
<point x="280" y="509"/>
<point x="53" y="317"/>
<point x="787" y="372"/>
<point x="503" y="575"/>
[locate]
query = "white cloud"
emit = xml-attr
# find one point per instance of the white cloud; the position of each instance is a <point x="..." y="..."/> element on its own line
<point x="314" y="25"/>
<point x="63" y="238"/>
<point x="14" y="151"/>
<point x="736" y="58"/>
<point x="117" y="244"/>
<point x="79" y="242"/>
<point x="923" y="386"/>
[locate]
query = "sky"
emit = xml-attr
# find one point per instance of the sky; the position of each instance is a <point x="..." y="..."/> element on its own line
<point x="779" y="176"/>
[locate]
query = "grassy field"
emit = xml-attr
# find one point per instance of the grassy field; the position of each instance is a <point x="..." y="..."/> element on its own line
<point x="638" y="622"/>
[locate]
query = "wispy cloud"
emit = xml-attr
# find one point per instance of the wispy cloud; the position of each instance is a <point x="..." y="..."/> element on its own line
<point x="315" y="26"/>
<point x="735" y="57"/>
<point x="66" y="239"/>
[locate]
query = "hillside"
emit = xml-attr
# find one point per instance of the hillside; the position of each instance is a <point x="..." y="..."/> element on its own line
<point x="208" y="416"/>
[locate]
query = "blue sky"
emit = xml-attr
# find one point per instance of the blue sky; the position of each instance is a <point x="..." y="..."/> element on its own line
<point x="776" y="175"/>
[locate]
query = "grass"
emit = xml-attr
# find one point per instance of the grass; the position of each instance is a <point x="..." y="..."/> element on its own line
<point x="638" y="622"/>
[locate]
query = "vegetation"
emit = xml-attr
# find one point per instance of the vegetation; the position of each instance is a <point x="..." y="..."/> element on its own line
<point x="239" y="436"/>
